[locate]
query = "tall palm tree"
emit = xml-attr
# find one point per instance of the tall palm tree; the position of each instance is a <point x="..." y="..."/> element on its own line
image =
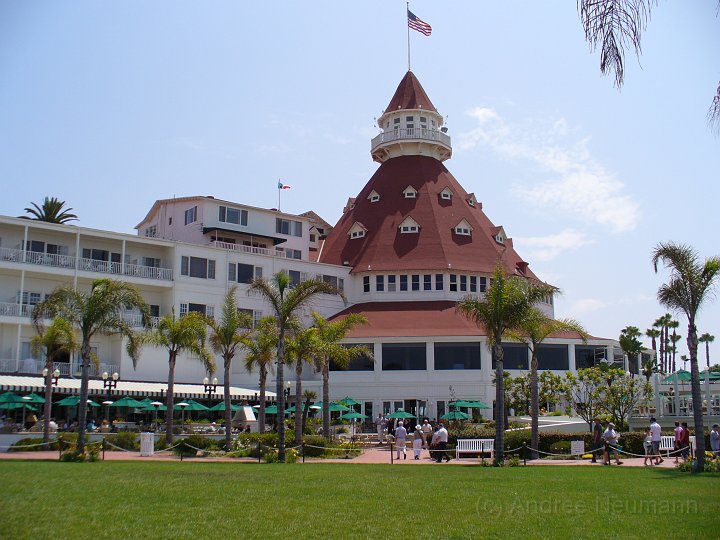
<point x="51" y="211"/>
<point x="58" y="337"/>
<point x="302" y="347"/>
<point x="329" y="335"/>
<point x="261" y="346"/>
<point x="690" y="286"/>
<point x="99" y="311"/>
<point x="631" y="346"/>
<point x="674" y="338"/>
<point x="707" y="339"/>
<point x="505" y="306"/>
<point x="533" y="331"/>
<point x="662" y="323"/>
<point x="186" y="334"/>
<point x="653" y="334"/>
<point x="227" y="338"/>
<point x="286" y="302"/>
<point x="309" y="396"/>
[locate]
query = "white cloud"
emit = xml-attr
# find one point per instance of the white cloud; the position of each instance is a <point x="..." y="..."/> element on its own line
<point x="577" y="185"/>
<point x="547" y="248"/>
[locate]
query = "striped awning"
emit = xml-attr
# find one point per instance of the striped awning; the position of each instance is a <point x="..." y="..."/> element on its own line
<point x="15" y="383"/>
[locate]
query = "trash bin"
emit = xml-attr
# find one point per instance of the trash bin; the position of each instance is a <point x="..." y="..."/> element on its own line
<point x="147" y="444"/>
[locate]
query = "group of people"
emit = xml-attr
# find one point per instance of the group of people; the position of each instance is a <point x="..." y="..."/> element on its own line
<point x="425" y="436"/>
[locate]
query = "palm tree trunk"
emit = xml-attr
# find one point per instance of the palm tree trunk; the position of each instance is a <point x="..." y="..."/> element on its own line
<point x="170" y="398"/>
<point x="692" y="342"/>
<point x="48" y="400"/>
<point x="82" y="406"/>
<point x="707" y="353"/>
<point x="228" y="411"/>
<point x="499" y="405"/>
<point x="326" y="398"/>
<point x="298" y="398"/>
<point x="306" y="408"/>
<point x="280" y="383"/>
<point x="534" y="404"/>
<point x="261" y="410"/>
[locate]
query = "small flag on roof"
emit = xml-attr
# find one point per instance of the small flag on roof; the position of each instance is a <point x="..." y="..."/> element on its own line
<point x="283" y="186"/>
<point x="416" y="24"/>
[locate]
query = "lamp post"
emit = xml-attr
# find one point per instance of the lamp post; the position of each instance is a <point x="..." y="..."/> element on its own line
<point x="55" y="375"/>
<point x="109" y="383"/>
<point x="182" y="406"/>
<point x="210" y="388"/>
<point x="157" y="405"/>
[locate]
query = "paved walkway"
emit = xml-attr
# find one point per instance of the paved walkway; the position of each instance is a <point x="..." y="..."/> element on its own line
<point x="379" y="454"/>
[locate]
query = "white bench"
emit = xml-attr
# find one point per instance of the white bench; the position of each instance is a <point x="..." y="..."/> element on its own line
<point x="667" y="444"/>
<point x="475" y="446"/>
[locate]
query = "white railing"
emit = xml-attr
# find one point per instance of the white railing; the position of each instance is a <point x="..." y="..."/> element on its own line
<point x="135" y="319"/>
<point x="412" y="133"/>
<point x="10" y="309"/>
<point x="31" y="366"/>
<point x="248" y="249"/>
<point x="49" y="259"/>
<point x="149" y="272"/>
<point x="12" y="255"/>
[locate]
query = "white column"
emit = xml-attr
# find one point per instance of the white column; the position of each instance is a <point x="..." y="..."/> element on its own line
<point x="572" y="366"/>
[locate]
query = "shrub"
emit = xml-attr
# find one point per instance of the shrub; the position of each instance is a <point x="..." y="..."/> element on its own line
<point x="91" y="453"/>
<point x="183" y="450"/>
<point x="126" y="440"/>
<point x="560" y="447"/>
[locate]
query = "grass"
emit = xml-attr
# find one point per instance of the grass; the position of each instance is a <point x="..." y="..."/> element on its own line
<point x="242" y="500"/>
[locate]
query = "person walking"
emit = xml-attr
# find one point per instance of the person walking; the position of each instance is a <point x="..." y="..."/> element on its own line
<point x="597" y="438"/>
<point x="427" y="432"/>
<point x="381" y="424"/>
<point x="685" y="441"/>
<point x="656" y="432"/>
<point x="401" y="439"/>
<point x="715" y="440"/>
<point x="647" y="445"/>
<point x="677" y="432"/>
<point x="442" y="440"/>
<point x="418" y="441"/>
<point x="610" y="437"/>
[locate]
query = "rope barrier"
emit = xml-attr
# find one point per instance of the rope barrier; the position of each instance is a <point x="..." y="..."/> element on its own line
<point x="118" y="447"/>
<point x="30" y="445"/>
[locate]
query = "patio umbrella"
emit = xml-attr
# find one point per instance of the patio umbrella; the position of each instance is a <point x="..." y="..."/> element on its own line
<point x="14" y="406"/>
<point x="455" y="415"/>
<point x="192" y="406"/>
<point x="146" y="401"/>
<point x="150" y="407"/>
<point x="127" y="401"/>
<point x="347" y="400"/>
<point x="335" y="406"/>
<point x="33" y="398"/>
<point x="221" y="407"/>
<point x="682" y="375"/>
<point x="401" y="414"/>
<point x="9" y="397"/>
<point x="72" y="401"/>
<point x="353" y="416"/>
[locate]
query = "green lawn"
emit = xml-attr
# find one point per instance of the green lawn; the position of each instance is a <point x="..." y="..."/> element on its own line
<point x="243" y="500"/>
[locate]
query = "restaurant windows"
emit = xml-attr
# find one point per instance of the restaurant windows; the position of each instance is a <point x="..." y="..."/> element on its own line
<point x="553" y="356"/>
<point x="197" y="267"/>
<point x="364" y="362"/>
<point x="450" y="356"/>
<point x="515" y="356"/>
<point x="587" y="356"/>
<point x="404" y="356"/>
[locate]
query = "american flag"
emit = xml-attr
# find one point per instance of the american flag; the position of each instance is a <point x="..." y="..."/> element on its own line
<point x="416" y="24"/>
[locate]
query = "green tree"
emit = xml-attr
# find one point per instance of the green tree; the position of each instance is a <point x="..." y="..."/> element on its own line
<point x="309" y="396"/>
<point x="674" y="338"/>
<point x="553" y="388"/>
<point x="585" y="393"/>
<point x="533" y="331"/>
<point x="59" y="337"/>
<point x="614" y="25"/>
<point x="623" y="394"/>
<point x="632" y="346"/>
<point x="302" y="348"/>
<point x="329" y="336"/>
<point x="51" y="211"/>
<point x="649" y="366"/>
<point x="662" y="324"/>
<point x="227" y="339"/>
<point x="286" y="302"/>
<point x="261" y="346"/>
<point x="653" y="334"/>
<point x="689" y="287"/>
<point x="707" y="339"/>
<point x="186" y="334"/>
<point x="99" y="311"/>
<point x="505" y="306"/>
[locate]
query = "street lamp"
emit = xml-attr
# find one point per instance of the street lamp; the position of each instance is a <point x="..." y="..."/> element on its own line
<point x="108" y="382"/>
<point x="182" y="406"/>
<point x="210" y="388"/>
<point x="55" y="375"/>
<point x="157" y="405"/>
<point x="107" y="404"/>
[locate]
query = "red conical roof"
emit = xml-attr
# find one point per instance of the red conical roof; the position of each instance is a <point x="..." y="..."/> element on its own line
<point x="436" y="247"/>
<point x="410" y="95"/>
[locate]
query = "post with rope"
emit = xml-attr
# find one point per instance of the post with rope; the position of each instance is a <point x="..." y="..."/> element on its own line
<point x="525" y="452"/>
<point x="391" y="453"/>
<point x="103" y="448"/>
<point x="302" y="449"/>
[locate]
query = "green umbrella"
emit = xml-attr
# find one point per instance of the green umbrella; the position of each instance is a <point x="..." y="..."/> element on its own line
<point x="455" y="415"/>
<point x="353" y="416"/>
<point x="33" y="398"/>
<point x="192" y="406"/>
<point x="127" y="401"/>
<point x="714" y="375"/>
<point x="682" y="375"/>
<point x="72" y="401"/>
<point x="150" y="407"/>
<point x="13" y="406"/>
<point x="347" y="400"/>
<point x="10" y="397"/>
<point x="469" y="404"/>
<point x="147" y="401"/>
<point x="335" y="406"/>
<point x="221" y="407"/>
<point x="401" y="414"/>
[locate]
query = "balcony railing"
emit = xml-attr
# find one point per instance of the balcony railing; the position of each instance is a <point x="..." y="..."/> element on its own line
<point x="248" y="249"/>
<point x="11" y="309"/>
<point x="30" y="366"/>
<point x="135" y="320"/>
<point x="423" y="134"/>
<point x="88" y="265"/>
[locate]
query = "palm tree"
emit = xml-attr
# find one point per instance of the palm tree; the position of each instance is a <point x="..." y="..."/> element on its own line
<point x="535" y="329"/>
<point x="674" y="338"/>
<point x="329" y="335"/>
<point x="180" y="335"/>
<point x="707" y="339"/>
<point x="58" y="337"/>
<point x="662" y="323"/>
<point x="631" y="346"/>
<point x="653" y="334"/>
<point x="505" y="306"/>
<point x="51" y="211"/>
<point x="286" y="302"/>
<point x="261" y="345"/>
<point x="302" y="347"/>
<point x="649" y="366"/>
<point x="227" y="338"/>
<point x="690" y="286"/>
<point x="309" y="396"/>
<point x="98" y="312"/>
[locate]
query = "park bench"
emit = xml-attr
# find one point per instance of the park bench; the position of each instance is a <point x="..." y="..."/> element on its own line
<point x="474" y="446"/>
<point x="667" y="444"/>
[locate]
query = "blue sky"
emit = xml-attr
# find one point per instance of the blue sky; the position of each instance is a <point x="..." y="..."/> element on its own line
<point x="112" y="105"/>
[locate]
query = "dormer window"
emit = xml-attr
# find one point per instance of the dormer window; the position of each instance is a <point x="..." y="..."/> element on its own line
<point x="500" y="238"/>
<point x="409" y="226"/>
<point x="357" y="231"/>
<point x="463" y="228"/>
<point x="410" y="193"/>
<point x="471" y="200"/>
<point x="374" y="196"/>
<point x="446" y="194"/>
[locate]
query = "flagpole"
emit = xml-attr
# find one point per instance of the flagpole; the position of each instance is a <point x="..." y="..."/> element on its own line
<point x="407" y="9"/>
<point x="279" y="194"/>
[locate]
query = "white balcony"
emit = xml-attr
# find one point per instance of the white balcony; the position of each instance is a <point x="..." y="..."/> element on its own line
<point x="87" y="265"/>
<point x="12" y="309"/>
<point x="248" y="249"/>
<point x="416" y="134"/>
<point x="30" y="366"/>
